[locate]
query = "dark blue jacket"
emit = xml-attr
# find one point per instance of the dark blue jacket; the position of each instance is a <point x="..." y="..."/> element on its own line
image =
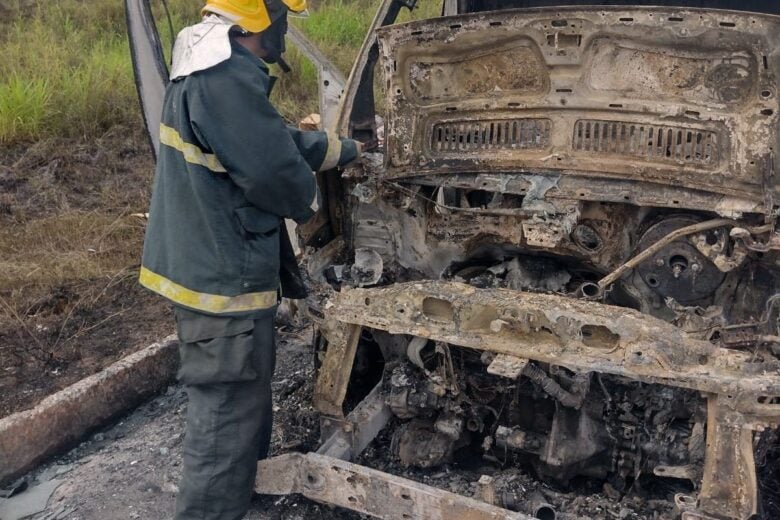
<point x="229" y="170"/>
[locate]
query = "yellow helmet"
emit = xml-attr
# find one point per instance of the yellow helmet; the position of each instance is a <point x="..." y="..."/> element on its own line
<point x="251" y="15"/>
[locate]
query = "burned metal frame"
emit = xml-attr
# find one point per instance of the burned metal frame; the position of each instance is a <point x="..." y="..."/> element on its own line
<point x="549" y="329"/>
<point x="742" y="398"/>
<point x="356" y="118"/>
<point x="368" y="491"/>
<point x="358" y="111"/>
<point x="327" y="476"/>
<point x="583" y="336"/>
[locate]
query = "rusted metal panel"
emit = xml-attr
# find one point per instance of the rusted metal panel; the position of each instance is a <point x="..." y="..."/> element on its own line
<point x="381" y="495"/>
<point x="671" y="96"/>
<point x="729" y="484"/>
<point x="336" y="368"/>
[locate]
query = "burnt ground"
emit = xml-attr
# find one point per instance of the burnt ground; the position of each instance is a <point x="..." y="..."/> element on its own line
<point x="131" y="469"/>
<point x="74" y="332"/>
<point x="69" y="255"/>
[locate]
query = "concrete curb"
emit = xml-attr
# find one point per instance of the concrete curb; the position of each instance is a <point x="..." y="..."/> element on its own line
<point x="62" y="419"/>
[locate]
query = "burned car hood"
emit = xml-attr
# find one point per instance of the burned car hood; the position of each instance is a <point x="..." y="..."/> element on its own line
<point x="616" y="99"/>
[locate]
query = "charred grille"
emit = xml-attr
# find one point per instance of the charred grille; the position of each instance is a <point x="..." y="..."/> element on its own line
<point x="499" y="134"/>
<point x="648" y="142"/>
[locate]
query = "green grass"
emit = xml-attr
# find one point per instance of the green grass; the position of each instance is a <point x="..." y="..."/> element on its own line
<point x="65" y="69"/>
<point x="24" y="103"/>
<point x="341" y="24"/>
<point x="65" y="66"/>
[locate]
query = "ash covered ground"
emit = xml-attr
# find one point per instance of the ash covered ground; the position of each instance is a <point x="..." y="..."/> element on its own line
<point x="130" y="470"/>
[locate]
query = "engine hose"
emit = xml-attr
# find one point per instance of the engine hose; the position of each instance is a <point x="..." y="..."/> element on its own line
<point x="550" y="387"/>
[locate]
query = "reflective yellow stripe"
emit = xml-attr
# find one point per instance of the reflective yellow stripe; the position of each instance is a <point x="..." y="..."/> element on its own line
<point x="213" y="303"/>
<point x="333" y="154"/>
<point x="192" y="154"/>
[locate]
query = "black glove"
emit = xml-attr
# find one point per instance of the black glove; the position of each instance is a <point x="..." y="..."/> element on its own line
<point x="290" y="277"/>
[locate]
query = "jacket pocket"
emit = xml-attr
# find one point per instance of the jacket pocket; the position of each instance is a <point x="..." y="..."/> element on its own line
<point x="260" y="265"/>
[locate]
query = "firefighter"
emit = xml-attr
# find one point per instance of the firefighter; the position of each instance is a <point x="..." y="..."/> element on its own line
<point x="229" y="171"/>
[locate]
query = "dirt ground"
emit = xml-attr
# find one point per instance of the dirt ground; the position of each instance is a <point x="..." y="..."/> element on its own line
<point x="131" y="469"/>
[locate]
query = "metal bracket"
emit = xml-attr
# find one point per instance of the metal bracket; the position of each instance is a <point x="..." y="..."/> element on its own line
<point x="583" y="336"/>
<point x="347" y="438"/>
<point x="580" y="335"/>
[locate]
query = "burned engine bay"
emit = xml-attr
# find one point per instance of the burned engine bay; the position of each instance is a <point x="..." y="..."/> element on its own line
<point x="564" y="259"/>
<point x="545" y="406"/>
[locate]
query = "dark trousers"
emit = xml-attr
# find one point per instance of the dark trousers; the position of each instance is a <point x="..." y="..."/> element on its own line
<point x="226" y="366"/>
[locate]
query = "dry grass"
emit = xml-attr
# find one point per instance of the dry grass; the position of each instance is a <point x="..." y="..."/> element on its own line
<point x="69" y="253"/>
<point x="65" y="210"/>
<point x="58" y="249"/>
